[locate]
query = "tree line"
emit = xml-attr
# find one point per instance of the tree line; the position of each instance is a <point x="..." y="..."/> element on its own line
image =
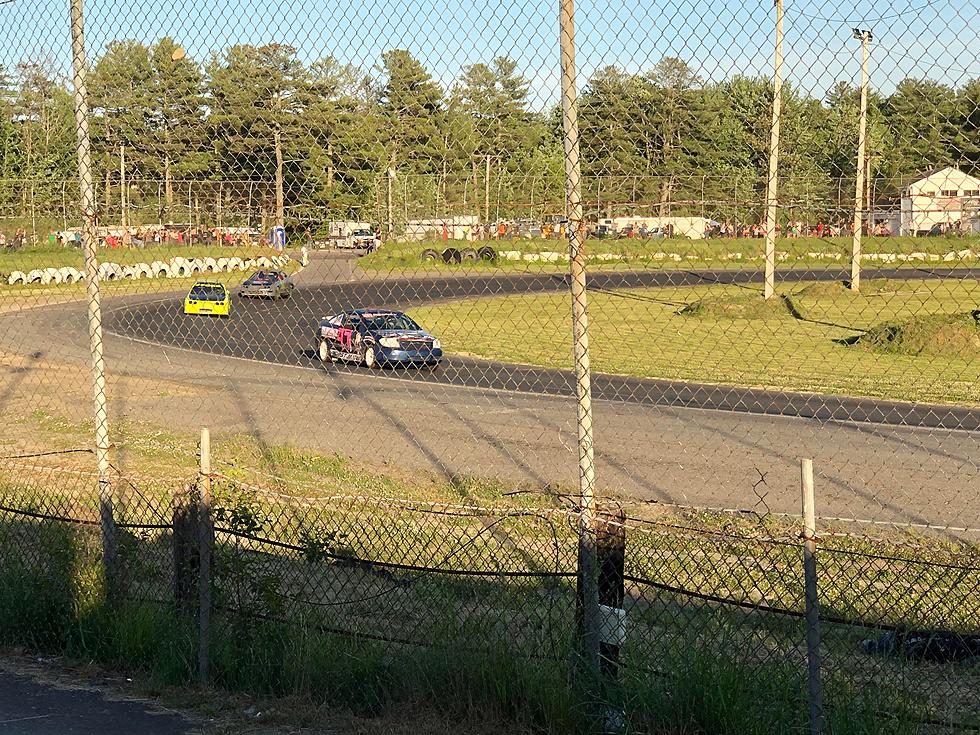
<point x="326" y="139"/>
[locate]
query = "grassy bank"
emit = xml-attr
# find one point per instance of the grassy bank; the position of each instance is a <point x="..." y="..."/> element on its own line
<point x="315" y="557"/>
<point x="678" y="253"/>
<point x="56" y="256"/>
<point x="730" y="335"/>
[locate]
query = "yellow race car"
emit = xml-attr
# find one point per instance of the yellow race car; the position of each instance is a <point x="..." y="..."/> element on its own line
<point x="206" y="297"/>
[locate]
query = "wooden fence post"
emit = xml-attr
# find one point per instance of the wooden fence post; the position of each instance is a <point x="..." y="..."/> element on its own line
<point x="185" y="548"/>
<point x="812" y="602"/>
<point x="205" y="545"/>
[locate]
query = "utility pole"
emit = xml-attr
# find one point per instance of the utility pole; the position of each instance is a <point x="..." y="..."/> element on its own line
<point x="772" y="201"/>
<point x="486" y="194"/>
<point x="87" y="200"/>
<point x="122" y="185"/>
<point x="589" y="620"/>
<point x="865" y="38"/>
<point x="391" y="203"/>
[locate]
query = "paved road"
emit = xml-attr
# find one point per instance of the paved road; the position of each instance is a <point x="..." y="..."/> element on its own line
<point x="284" y="333"/>
<point x="28" y="707"/>
<point x="644" y="450"/>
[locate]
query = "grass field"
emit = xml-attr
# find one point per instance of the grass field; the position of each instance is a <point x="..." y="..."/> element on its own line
<point x="20" y="296"/>
<point x="496" y="645"/>
<point x="714" y="253"/>
<point x="56" y="256"/>
<point x="731" y="336"/>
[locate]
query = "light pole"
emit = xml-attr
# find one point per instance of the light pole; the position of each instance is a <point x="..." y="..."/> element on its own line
<point x="771" y="187"/>
<point x="864" y="37"/>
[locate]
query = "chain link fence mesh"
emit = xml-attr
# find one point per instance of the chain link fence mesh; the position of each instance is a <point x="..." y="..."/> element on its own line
<point x="344" y="239"/>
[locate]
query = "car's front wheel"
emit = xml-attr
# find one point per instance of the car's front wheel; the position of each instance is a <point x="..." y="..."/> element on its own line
<point x="324" y="351"/>
<point x="370" y="357"/>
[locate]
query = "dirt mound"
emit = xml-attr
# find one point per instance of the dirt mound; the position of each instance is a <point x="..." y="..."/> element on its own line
<point x="747" y="306"/>
<point x="946" y="335"/>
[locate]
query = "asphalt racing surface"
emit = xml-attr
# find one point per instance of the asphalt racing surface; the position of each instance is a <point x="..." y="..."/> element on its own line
<point x="656" y="442"/>
<point x="283" y="332"/>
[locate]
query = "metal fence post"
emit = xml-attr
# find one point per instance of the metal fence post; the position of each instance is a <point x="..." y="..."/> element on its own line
<point x="772" y="201"/>
<point x="206" y="542"/>
<point x="812" y="602"/>
<point x="87" y="198"/>
<point x="865" y="38"/>
<point x="588" y="583"/>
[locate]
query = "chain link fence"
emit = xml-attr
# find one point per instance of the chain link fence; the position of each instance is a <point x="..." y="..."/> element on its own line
<point x="511" y="327"/>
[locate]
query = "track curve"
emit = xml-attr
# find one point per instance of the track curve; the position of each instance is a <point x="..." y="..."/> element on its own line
<point x="283" y="333"/>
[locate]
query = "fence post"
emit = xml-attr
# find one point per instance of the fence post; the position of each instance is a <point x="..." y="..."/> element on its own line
<point x="812" y="603"/>
<point x="205" y="544"/>
<point x="588" y="583"/>
<point x="87" y="200"/>
<point x="611" y="550"/>
<point x="185" y="549"/>
<point x="772" y="197"/>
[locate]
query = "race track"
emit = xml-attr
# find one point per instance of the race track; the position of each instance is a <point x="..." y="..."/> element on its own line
<point x="283" y="332"/>
<point x="655" y="441"/>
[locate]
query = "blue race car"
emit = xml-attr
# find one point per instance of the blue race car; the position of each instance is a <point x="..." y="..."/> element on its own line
<point x="374" y="337"/>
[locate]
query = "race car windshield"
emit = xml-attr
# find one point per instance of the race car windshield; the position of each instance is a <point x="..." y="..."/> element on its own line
<point x="383" y="322"/>
<point x="363" y="233"/>
<point x="208" y="293"/>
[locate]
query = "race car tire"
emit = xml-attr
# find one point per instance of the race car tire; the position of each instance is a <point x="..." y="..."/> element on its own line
<point x="470" y="254"/>
<point x="323" y="351"/>
<point x="429" y="255"/>
<point x="369" y="357"/>
<point x="452" y="255"/>
<point x="488" y="254"/>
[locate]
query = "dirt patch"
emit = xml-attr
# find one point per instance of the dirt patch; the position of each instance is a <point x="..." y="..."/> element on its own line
<point x="747" y="306"/>
<point x="946" y="335"/>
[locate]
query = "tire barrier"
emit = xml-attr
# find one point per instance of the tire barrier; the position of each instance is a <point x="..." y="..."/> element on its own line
<point x="452" y="255"/>
<point x="70" y="275"/>
<point x="181" y="267"/>
<point x="470" y="254"/>
<point x="110" y="272"/>
<point x="487" y="254"/>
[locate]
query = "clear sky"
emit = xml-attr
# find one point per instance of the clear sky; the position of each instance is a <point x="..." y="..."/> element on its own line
<point x="936" y="39"/>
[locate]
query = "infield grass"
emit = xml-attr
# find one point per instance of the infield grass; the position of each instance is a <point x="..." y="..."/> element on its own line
<point x="729" y="335"/>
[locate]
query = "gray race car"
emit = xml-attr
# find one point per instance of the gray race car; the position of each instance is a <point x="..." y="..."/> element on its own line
<point x="267" y="284"/>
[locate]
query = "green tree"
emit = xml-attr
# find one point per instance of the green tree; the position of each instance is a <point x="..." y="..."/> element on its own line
<point x="175" y="117"/>
<point x="119" y="93"/>
<point x="339" y="132"/>
<point x="411" y="104"/>
<point x="257" y="95"/>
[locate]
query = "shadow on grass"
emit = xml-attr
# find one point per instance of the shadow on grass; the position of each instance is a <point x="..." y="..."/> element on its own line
<point x="690" y="667"/>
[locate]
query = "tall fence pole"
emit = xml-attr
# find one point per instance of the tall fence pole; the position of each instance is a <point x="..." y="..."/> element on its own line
<point x="588" y="583"/>
<point x="812" y="602"/>
<point x="205" y="544"/>
<point x="773" y="181"/>
<point x="87" y="199"/>
<point x="865" y="38"/>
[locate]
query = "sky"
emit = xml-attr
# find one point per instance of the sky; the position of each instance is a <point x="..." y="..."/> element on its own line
<point x="920" y="38"/>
